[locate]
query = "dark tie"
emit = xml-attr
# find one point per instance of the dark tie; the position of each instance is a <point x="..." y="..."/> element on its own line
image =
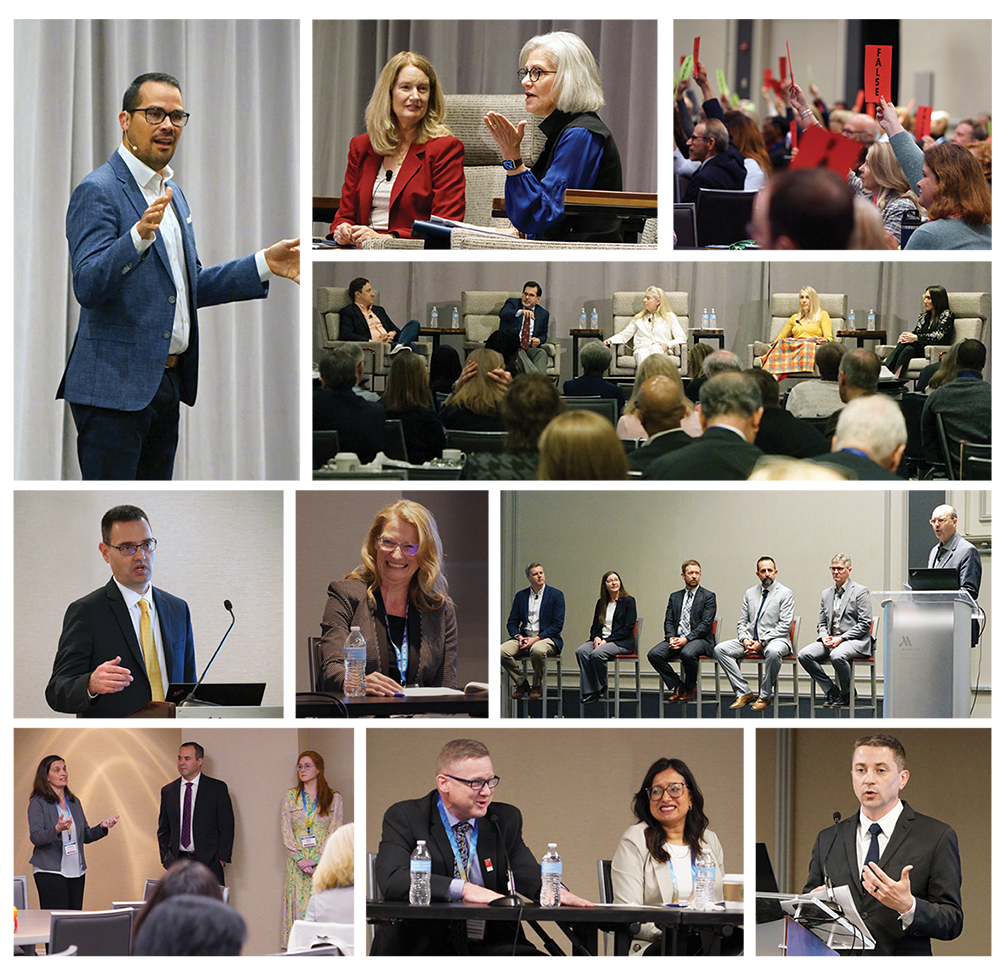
<point x="461" y="829"/>
<point x="525" y="331"/>
<point x="940" y="554"/>
<point x="685" y="625"/>
<point x="186" y="818"/>
<point x="756" y="625"/>
<point x="875" y="830"/>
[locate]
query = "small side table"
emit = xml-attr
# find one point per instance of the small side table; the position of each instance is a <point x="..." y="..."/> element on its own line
<point x="709" y="334"/>
<point x="576" y="334"/>
<point x="861" y="335"/>
<point x="435" y="334"/>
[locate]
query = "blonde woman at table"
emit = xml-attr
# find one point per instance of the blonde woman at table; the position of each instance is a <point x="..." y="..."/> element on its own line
<point x="332" y="899"/>
<point x="309" y="814"/>
<point x="654" y="330"/>
<point x="58" y="830"/>
<point x="810" y="322"/>
<point x="654" y="862"/>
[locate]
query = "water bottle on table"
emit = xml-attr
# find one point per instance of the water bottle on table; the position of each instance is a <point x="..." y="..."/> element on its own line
<point x="420" y="875"/>
<point x="434" y="316"/>
<point x="551" y="878"/>
<point x="704" y="881"/>
<point x="355" y="663"/>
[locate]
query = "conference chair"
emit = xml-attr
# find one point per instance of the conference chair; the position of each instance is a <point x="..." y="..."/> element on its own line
<point x="716" y="629"/>
<point x="326" y="445"/>
<point x="94" y="934"/>
<point x="395" y="441"/>
<point x="476" y="440"/>
<point x="858" y="663"/>
<point x="509" y="690"/>
<point x="631" y="659"/>
<point x="336" y="939"/>
<point x="323" y="949"/>
<point x="624" y="306"/>
<point x="963" y="460"/>
<point x="372" y="892"/>
<point x="606" y="894"/>
<point x="722" y="216"/>
<point x="685" y="227"/>
<point x="605" y="407"/>
<point x="69" y="951"/>
<point x="21" y="892"/>
<point x="783" y="306"/>
<point x="148" y="887"/>
<point x="789" y="659"/>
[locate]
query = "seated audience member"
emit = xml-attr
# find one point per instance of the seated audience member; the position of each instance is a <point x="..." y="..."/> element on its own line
<point x="408" y="398"/>
<point x="810" y="322"/>
<point x="530" y="403"/>
<point x="654" y="330"/>
<point x="731" y="409"/>
<point x="629" y="425"/>
<point x="722" y="166"/>
<point x="858" y="376"/>
<point x="715" y="363"/>
<point x="192" y="926"/>
<point x="746" y="138"/>
<point x="359" y="423"/>
<point x="363" y="320"/>
<point x="534" y="627"/>
<point x="862" y="128"/>
<point x="870" y="439"/>
<point x="446" y="369"/>
<point x="941" y="373"/>
<point x="968" y="132"/>
<point x="696" y="377"/>
<point x="581" y="445"/>
<point x="982" y="150"/>
<point x="779" y="468"/>
<point x="528" y="321"/>
<point x="965" y="404"/>
<point x="332" y="899"/>
<point x="774" y="131"/>
<point x="819" y="399"/>
<point x="508" y="345"/>
<point x="596" y="359"/>
<point x="869" y="232"/>
<point x="950" y="186"/>
<point x="882" y="179"/>
<point x="611" y="633"/>
<point x="660" y="407"/>
<point x="186" y="877"/>
<point x="780" y="432"/>
<point x="810" y="209"/>
<point x="474" y="405"/>
<point x="935" y="326"/>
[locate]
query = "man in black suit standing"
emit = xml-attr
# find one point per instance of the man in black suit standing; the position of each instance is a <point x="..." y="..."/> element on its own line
<point x="660" y="408"/>
<point x="688" y="633"/>
<point x="902" y="867"/>
<point x="122" y="645"/>
<point x="530" y="322"/>
<point x="475" y="846"/>
<point x="363" y="320"/>
<point x="196" y="816"/>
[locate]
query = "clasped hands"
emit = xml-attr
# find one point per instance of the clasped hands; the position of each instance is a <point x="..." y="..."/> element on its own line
<point x="351" y="235"/>
<point x="677" y="642"/>
<point x="832" y="641"/>
<point x="750" y="646"/>
<point x="308" y="866"/>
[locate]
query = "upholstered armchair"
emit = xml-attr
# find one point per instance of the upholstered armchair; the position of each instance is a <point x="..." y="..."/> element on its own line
<point x="783" y="306"/>
<point x="624" y="306"/>
<point x="481" y="317"/>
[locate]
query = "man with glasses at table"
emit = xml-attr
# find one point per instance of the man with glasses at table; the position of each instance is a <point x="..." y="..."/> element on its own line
<point x="122" y="645"/>
<point x="470" y="839"/>
<point x="139" y="282"/>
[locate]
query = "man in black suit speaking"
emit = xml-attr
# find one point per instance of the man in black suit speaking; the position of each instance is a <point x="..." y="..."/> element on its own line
<point x="475" y="846"/>
<point x="902" y="867"/>
<point x="122" y="645"/>
<point x="196" y="816"/>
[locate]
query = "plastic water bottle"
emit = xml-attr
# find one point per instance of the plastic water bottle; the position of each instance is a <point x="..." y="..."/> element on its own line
<point x="704" y="317"/>
<point x="583" y="317"/>
<point x="551" y="878"/>
<point x="871" y="319"/>
<point x="420" y="875"/>
<point x="704" y="880"/>
<point x="850" y="320"/>
<point x="454" y="317"/>
<point x="594" y="323"/>
<point x="434" y="316"/>
<point x="355" y="663"/>
<point x="712" y="321"/>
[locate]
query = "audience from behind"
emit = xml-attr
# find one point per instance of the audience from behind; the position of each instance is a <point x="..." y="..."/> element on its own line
<point x="629" y="425"/>
<point x="869" y="232"/>
<point x="654" y="330"/>
<point x="191" y="926"/>
<point x="475" y="403"/>
<point x="965" y="404"/>
<point x="881" y="178"/>
<point x="530" y="403"/>
<point x="819" y="399"/>
<point x="936" y="325"/>
<point x="187" y="877"/>
<point x="941" y="373"/>
<point x="446" y="369"/>
<point x="581" y="445"/>
<point x="359" y="423"/>
<point x="595" y="356"/>
<point x="870" y="439"/>
<point x="858" y="375"/>
<point x="774" y="130"/>
<point x="982" y="150"/>
<point x="810" y="322"/>
<point x="696" y="376"/>
<point x="810" y="209"/>
<point x="780" y="432"/>
<point x="408" y="398"/>
<point x="660" y="408"/>
<point x="720" y="362"/>
<point x="779" y="468"/>
<point x="507" y="344"/>
<point x="332" y="899"/>
<point x="746" y="138"/>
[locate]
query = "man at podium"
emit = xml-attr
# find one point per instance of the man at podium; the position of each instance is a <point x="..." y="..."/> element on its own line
<point x="122" y="645"/>
<point x="953" y="551"/>
<point x="902" y="867"/>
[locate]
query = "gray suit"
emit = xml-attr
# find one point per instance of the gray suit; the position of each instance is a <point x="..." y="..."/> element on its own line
<point x="854" y="625"/>
<point x="771" y="628"/>
<point x="960" y="554"/>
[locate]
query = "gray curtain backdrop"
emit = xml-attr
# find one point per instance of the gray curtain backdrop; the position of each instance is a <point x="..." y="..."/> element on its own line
<point x="478" y="57"/>
<point x="238" y="165"/>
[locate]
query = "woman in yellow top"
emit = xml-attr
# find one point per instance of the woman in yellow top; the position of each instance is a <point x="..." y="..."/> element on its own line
<point x="811" y="322"/>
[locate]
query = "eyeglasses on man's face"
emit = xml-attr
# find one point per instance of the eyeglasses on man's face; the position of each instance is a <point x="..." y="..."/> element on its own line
<point x="477" y="785"/>
<point x="156" y="115"/>
<point x="148" y="547"/>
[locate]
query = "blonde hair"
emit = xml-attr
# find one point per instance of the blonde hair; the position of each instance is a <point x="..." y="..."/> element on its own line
<point x="881" y="161"/>
<point x="814" y="308"/>
<point x="662" y="309"/>
<point x="481" y="395"/>
<point x="336" y="865"/>
<point x="653" y="365"/>
<point x="381" y="122"/>
<point x="428" y="587"/>
<point x="581" y="444"/>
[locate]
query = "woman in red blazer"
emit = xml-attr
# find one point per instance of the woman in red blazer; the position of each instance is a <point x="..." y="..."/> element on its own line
<point x="408" y="166"/>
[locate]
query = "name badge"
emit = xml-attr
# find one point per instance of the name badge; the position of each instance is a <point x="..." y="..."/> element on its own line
<point x="308" y="840"/>
<point x="70" y="849"/>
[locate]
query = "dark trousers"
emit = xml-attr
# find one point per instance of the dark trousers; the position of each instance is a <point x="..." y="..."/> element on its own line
<point x="902" y="355"/>
<point x="56" y="892"/>
<point x="661" y="655"/>
<point x="130" y="445"/>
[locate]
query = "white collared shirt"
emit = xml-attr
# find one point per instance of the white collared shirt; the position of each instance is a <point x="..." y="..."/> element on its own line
<point x="887" y="824"/>
<point x="135" y="614"/>
<point x="194" y="798"/>
<point x="533" y="622"/>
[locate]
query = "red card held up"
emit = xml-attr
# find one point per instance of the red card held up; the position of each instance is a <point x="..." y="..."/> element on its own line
<point x="922" y="125"/>
<point x="819" y="147"/>
<point x="878" y="72"/>
<point x="697" y="50"/>
<point x="783" y="67"/>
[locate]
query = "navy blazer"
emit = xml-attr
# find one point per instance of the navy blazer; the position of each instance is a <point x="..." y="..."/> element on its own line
<point x="703" y="610"/>
<point x="509" y="321"/>
<point x="550" y="618"/>
<point x="127" y="299"/>
<point x="97" y="628"/>
<point x="354" y="327"/>
<point x="622" y="624"/>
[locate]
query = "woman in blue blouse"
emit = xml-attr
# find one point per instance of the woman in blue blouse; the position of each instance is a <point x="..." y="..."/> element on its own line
<point x="562" y="84"/>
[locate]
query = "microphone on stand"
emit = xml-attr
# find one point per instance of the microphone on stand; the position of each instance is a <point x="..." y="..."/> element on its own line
<point x="826" y="877"/>
<point x="190" y="700"/>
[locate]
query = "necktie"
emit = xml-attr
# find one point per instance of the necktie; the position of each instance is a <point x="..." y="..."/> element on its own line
<point x="461" y="829"/>
<point x="149" y="652"/>
<point x="838" y="610"/>
<point x="525" y="331"/>
<point x="872" y="856"/>
<point x="685" y="624"/>
<point x="756" y="625"/>
<point x="940" y="555"/>
<point x="186" y="818"/>
<point x="472" y="929"/>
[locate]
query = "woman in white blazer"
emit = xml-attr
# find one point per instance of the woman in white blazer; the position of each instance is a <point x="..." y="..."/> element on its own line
<point x="655" y="329"/>
<point x="654" y="862"/>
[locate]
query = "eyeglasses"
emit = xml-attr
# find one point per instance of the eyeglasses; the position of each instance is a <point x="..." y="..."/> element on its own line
<point x="476" y="785"/>
<point x="838" y="568"/>
<point x="148" y="547"/>
<point x="535" y="73"/>
<point x="698" y="137"/>
<point x="388" y="545"/>
<point x="156" y="115"/>
<point x="675" y="789"/>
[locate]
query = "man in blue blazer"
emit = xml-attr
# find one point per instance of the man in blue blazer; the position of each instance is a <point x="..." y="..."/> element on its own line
<point x="139" y="282"/>
<point x="534" y="627"/>
<point x="531" y="357"/>
<point x="122" y="645"/>
<point x="688" y="633"/>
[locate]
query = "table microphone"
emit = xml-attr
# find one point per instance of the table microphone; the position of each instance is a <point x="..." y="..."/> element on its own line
<point x="512" y="899"/>
<point x="190" y="700"/>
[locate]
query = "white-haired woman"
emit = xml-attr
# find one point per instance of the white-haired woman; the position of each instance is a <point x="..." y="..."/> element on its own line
<point x="654" y="330"/>
<point x="562" y="85"/>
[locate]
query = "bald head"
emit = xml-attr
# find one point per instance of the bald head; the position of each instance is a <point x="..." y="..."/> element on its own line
<point x="862" y="128"/>
<point x="660" y="405"/>
<point x="719" y="361"/>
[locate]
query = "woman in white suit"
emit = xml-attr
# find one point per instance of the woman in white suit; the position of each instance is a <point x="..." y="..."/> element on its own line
<point x="655" y="329"/>
<point x="654" y="862"/>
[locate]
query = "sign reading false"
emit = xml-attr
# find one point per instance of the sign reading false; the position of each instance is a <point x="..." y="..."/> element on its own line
<point x="878" y="72"/>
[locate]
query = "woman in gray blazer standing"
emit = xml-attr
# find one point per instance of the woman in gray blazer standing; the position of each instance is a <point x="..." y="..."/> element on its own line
<point x="58" y="830"/>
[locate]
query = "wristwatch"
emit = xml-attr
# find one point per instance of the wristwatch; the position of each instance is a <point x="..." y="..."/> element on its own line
<point x="512" y="165"/>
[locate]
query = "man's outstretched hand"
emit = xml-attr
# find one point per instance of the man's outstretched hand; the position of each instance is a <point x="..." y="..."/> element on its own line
<point x="283" y="259"/>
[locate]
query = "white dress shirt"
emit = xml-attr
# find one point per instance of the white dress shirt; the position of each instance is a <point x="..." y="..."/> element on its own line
<point x="533" y="622"/>
<point x="194" y="800"/>
<point x="887" y="824"/>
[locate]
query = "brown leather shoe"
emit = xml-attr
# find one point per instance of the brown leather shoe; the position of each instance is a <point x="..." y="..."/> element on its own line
<point x="536" y="692"/>
<point x="761" y="704"/>
<point x="677" y="695"/>
<point x="521" y="690"/>
<point x="688" y="694"/>
<point x="743" y="700"/>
